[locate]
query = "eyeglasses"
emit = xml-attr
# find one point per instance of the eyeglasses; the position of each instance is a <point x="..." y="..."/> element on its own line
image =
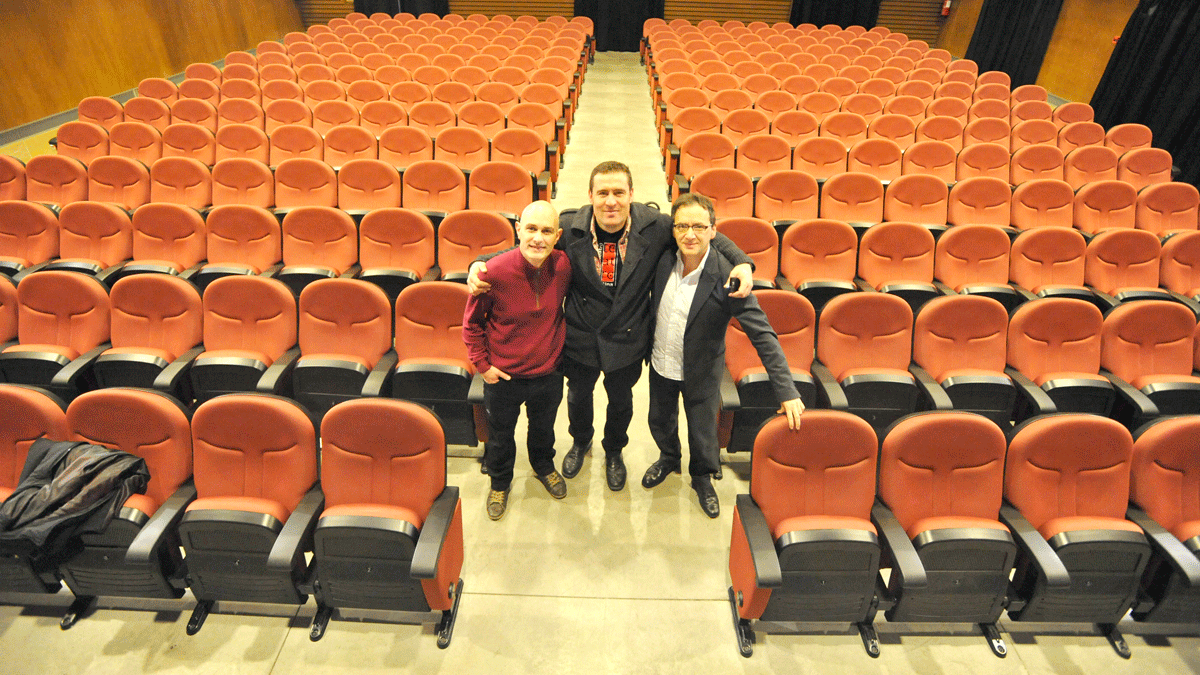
<point x="698" y="229"/>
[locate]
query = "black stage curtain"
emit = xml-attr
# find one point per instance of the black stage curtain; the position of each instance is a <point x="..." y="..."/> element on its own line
<point x="370" y="7"/>
<point x="618" y="23"/>
<point x="840" y="12"/>
<point x="1153" y="78"/>
<point x="419" y="7"/>
<point x="1012" y="36"/>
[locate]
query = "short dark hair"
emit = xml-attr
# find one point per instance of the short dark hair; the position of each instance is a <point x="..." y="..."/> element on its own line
<point x="610" y="167"/>
<point x="691" y="198"/>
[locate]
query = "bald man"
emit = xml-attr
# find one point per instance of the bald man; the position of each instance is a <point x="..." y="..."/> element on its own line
<point x="514" y="337"/>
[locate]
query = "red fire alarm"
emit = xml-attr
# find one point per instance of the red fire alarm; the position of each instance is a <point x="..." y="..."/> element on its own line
<point x="946" y="8"/>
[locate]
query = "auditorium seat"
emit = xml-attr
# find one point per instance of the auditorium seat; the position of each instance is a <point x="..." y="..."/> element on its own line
<point x="345" y="338"/>
<point x="794" y="322"/>
<point x="856" y="198"/>
<point x="136" y="140"/>
<point x="819" y="258"/>
<point x="983" y="159"/>
<point x="1122" y="266"/>
<point x="1089" y="164"/>
<point x="241" y="239"/>
<point x="1167" y="208"/>
<point x="941" y="484"/>
<point x="526" y="148"/>
<point x="502" y="187"/>
<point x="396" y="249"/>
<point x="249" y="326"/>
<point x="961" y="341"/>
<point x="1054" y="358"/>
<point x="291" y="141"/>
<point x="319" y="242"/>
<point x="390" y="537"/>
<point x="137" y="554"/>
<point x="973" y="259"/>
<point x="148" y="111"/>
<point x="1179" y="265"/>
<point x="1163" y="504"/>
<point x="244" y="141"/>
<point x="1104" y="205"/>
<point x="241" y="181"/>
<point x="55" y="180"/>
<point x="897" y="258"/>
<point x="1144" y="166"/>
<point x="257" y="500"/>
<point x="28" y="236"/>
<point x="1150" y="346"/>
<point x="812" y="559"/>
<point x="12" y="178"/>
<point x="301" y="181"/>
<point x="1043" y="203"/>
<point x="93" y="238"/>
<point x="865" y="342"/>
<point x="464" y="235"/>
<point x="1067" y="487"/>
<point x="731" y="191"/>
<point x="820" y="157"/>
<point x="433" y="368"/>
<point x="980" y="201"/>
<point x="917" y="198"/>
<point x="1125" y="137"/>
<point x="935" y="158"/>
<point x="27" y="414"/>
<point x="880" y="157"/>
<point x="62" y="326"/>
<point x="783" y="197"/>
<point x="101" y="110"/>
<point x="83" y="141"/>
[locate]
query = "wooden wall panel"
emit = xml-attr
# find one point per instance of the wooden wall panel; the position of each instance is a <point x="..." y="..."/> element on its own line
<point x="770" y="11"/>
<point x="1081" y="45"/>
<point x="57" y="53"/>
<point x="539" y="8"/>
<point x="918" y="19"/>
<point x="321" y="11"/>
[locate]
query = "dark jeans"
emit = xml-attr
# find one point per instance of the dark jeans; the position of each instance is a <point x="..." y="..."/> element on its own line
<point x="701" y="411"/>
<point x="541" y="396"/>
<point x="618" y="384"/>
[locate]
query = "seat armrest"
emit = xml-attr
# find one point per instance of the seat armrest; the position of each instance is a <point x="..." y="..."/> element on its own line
<point x="380" y="377"/>
<point x="150" y="539"/>
<point x="1143" y="408"/>
<point x="191" y="271"/>
<point x="69" y="375"/>
<point x="106" y="274"/>
<point x="1165" y="544"/>
<point x="1024" y="292"/>
<point x="1033" y="544"/>
<point x="168" y="379"/>
<point x="278" y="376"/>
<point x="296" y="535"/>
<point x="1035" y="395"/>
<point x="729" y="393"/>
<point x="475" y="393"/>
<point x="428" y="552"/>
<point x="931" y="391"/>
<point x="351" y="272"/>
<point x="16" y="278"/>
<point x="828" y="388"/>
<point x="1191" y="303"/>
<point x="761" y="544"/>
<point x="943" y="288"/>
<point x="1103" y="300"/>
<point x="864" y="286"/>
<point x="904" y="555"/>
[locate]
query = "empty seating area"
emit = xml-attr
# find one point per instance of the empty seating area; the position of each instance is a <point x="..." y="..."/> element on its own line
<point x="253" y="280"/>
<point x="874" y="102"/>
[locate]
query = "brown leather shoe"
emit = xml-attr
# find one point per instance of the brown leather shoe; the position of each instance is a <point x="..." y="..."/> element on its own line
<point x="554" y="484"/>
<point x="497" y="502"/>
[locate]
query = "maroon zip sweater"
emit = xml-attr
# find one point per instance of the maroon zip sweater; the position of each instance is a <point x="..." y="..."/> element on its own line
<point x="518" y="326"/>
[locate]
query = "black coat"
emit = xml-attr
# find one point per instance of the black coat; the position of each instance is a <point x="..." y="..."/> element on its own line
<point x="67" y="489"/>
<point x="610" y="329"/>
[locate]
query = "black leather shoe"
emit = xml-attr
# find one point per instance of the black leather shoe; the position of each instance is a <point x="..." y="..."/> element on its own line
<point x="709" y="503"/>
<point x="573" y="462"/>
<point x="615" y="470"/>
<point x="658" y="472"/>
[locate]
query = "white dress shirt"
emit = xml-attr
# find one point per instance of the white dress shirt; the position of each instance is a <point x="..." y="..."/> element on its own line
<point x="673" y="308"/>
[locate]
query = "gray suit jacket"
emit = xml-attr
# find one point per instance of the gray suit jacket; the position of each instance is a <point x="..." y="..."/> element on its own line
<point x="704" y="335"/>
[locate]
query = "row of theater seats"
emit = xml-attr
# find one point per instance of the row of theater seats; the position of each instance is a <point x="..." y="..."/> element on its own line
<point x="390" y="247"/>
<point x="239" y="508"/>
<point x="247" y="333"/>
<point x="964" y="352"/>
<point x="438" y="186"/>
<point x="825" y="156"/>
<point x="822" y="258"/>
<point x="1088" y="520"/>
<point x="864" y="199"/>
<point x="333" y="130"/>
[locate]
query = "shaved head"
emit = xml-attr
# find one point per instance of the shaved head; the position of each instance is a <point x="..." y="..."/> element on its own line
<point x="540" y="212"/>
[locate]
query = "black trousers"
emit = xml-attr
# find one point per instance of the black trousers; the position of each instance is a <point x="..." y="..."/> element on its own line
<point x="618" y="384"/>
<point x="541" y="396"/>
<point x="701" y="410"/>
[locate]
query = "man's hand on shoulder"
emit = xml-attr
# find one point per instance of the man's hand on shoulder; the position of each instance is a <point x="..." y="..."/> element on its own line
<point x="494" y="375"/>
<point x="745" y="276"/>
<point x="476" y="285"/>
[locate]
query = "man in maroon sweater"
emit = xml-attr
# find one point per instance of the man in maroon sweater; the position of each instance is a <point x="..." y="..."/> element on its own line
<point x="514" y="337"/>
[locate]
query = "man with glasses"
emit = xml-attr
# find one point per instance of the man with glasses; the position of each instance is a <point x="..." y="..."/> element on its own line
<point x="693" y="309"/>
